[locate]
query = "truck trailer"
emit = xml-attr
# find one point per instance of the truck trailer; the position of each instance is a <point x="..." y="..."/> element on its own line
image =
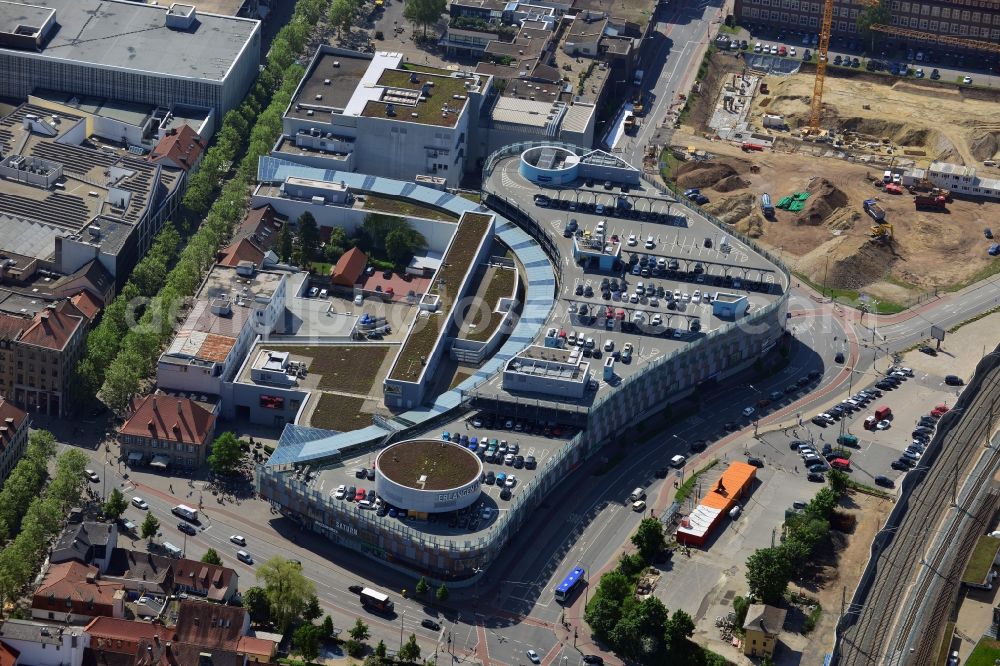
<point x="873" y="209"/>
<point x="930" y="201"/>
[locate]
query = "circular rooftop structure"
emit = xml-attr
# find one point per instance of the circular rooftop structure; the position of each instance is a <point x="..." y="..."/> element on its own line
<point x="549" y="165"/>
<point x="429" y="476"/>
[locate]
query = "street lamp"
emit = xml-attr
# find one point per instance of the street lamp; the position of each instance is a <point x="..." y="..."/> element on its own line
<point x="401" y="616"/>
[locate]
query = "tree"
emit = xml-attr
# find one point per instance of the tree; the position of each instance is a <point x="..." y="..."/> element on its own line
<point x="284" y="246"/>
<point x="839" y="481"/>
<point x="616" y="586"/>
<point x="397" y="248"/>
<point x="115" y="505"/>
<point x="878" y="13"/>
<point x="679" y="628"/>
<point x="342" y="14"/>
<point x="312" y="610"/>
<point x="307" y="235"/>
<point x="410" y="650"/>
<point x="442" y="593"/>
<point x="306" y="639"/>
<point x="336" y="244"/>
<point x="355" y="648"/>
<point x="768" y="572"/>
<point x="649" y="538"/>
<point x="602" y="615"/>
<point x="225" y="455"/>
<point x="359" y="631"/>
<point x="150" y="526"/>
<point x="256" y="603"/>
<point x="287" y="590"/>
<point x="424" y="12"/>
<point x="380" y="650"/>
<point x="211" y="556"/>
<point x="422" y="586"/>
<point x="327" y="627"/>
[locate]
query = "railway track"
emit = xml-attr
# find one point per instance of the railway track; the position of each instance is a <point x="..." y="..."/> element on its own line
<point x="863" y="642"/>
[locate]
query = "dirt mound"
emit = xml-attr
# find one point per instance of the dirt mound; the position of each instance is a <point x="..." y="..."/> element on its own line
<point x="741" y="211"/>
<point x="984" y="146"/>
<point x="857" y="266"/>
<point x="731" y="184"/>
<point x="703" y="174"/>
<point x="826" y="199"/>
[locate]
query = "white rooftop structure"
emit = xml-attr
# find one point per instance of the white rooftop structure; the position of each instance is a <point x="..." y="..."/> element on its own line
<point x="368" y="89"/>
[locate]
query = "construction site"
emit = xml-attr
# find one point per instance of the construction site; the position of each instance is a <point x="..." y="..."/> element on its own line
<point x="909" y="239"/>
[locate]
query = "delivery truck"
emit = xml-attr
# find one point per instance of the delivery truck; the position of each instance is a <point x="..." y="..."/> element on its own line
<point x="375" y="600"/>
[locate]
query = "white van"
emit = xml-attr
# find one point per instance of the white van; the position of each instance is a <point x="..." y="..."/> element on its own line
<point x="678" y="461"/>
<point x="172" y="550"/>
<point x="637" y="495"/>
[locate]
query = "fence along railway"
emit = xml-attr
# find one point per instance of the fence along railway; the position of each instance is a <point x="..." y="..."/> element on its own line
<point x="904" y="600"/>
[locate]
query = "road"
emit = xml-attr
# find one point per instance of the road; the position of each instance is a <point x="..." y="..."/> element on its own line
<point x="678" y="45"/>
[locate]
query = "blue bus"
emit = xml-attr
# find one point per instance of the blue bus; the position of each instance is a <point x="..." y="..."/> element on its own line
<point x="568" y="587"/>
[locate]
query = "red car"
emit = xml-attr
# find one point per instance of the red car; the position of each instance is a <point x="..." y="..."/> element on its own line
<point x="360" y="495"/>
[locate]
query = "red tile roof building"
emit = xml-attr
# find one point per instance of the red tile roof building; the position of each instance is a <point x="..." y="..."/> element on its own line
<point x="254" y="238"/>
<point x="181" y="148"/>
<point x="165" y="430"/>
<point x="14" y="425"/>
<point x="349" y="267"/>
<point x="37" y="357"/>
<point x="8" y="655"/>
<point x="75" y="593"/>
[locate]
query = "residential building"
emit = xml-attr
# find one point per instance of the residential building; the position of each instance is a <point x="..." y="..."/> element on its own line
<point x="45" y="643"/>
<point x="211" y="625"/>
<point x="584" y="35"/>
<point x="233" y="306"/>
<point x="213" y="582"/>
<point x="111" y="639"/>
<point x="254" y="239"/>
<point x="75" y="593"/>
<point x="85" y="542"/>
<point x="978" y="21"/>
<point x="14" y="425"/>
<point x="38" y="354"/>
<point x="136" y="52"/>
<point x="165" y="431"/>
<point x="761" y="629"/>
<point x="180" y="149"/>
<point x="348" y="269"/>
<point x="144" y="572"/>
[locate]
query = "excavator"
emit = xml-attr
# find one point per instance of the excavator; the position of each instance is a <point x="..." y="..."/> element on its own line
<point x="881" y="233"/>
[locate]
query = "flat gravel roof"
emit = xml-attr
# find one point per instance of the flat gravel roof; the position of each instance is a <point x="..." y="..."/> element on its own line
<point x="134" y="36"/>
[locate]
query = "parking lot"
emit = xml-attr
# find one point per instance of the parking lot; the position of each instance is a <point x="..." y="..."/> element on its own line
<point x="532" y="441"/>
<point x="876" y="449"/>
<point x="657" y="298"/>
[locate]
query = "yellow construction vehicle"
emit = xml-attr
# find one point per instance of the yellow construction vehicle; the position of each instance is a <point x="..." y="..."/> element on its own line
<point x="881" y="233"/>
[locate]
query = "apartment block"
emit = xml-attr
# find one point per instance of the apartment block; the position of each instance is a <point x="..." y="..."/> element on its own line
<point x="38" y="354"/>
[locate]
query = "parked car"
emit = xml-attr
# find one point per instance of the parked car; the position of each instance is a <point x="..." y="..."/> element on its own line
<point x="953" y="380"/>
<point x="430" y="624"/>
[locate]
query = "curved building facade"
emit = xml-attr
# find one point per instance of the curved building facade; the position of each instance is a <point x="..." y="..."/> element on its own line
<point x="428" y="476"/>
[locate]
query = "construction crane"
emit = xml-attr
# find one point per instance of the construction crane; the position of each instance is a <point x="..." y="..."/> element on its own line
<point x="932" y="37"/>
<point x="824" y="45"/>
<point x="816" y="111"/>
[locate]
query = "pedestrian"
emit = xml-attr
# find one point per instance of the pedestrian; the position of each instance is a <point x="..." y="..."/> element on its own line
<point x="171" y="487"/>
<point x="796" y="469"/>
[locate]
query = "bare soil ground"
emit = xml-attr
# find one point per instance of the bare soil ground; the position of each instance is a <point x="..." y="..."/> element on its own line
<point x="828" y="242"/>
<point x="840" y="569"/>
